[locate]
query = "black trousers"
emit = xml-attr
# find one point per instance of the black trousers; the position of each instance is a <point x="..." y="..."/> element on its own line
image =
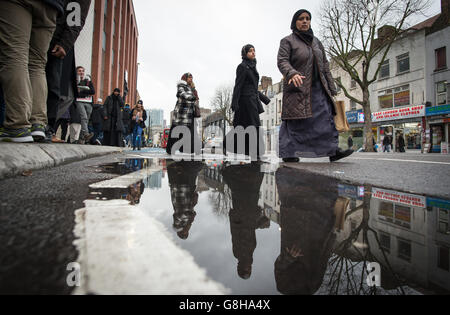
<point x="53" y="71"/>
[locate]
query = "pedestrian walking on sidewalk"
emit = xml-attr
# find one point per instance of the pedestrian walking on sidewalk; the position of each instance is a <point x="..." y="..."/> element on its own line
<point x="26" y="29"/>
<point x="401" y="143"/>
<point x="387" y="144"/>
<point x="185" y="114"/>
<point x="138" y="118"/>
<point x="127" y="124"/>
<point x="60" y="68"/>
<point x="112" y="119"/>
<point x="84" y="102"/>
<point x="246" y="103"/>
<point x="350" y="142"/>
<point x="308" y="128"/>
<point x="97" y="122"/>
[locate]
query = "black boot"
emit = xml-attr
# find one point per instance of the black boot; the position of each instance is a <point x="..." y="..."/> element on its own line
<point x="340" y="154"/>
<point x="291" y="160"/>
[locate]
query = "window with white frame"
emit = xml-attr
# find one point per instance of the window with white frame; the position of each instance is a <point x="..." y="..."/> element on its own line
<point x="403" y="63"/>
<point x="441" y="58"/>
<point x="384" y="70"/>
<point x="441" y="93"/>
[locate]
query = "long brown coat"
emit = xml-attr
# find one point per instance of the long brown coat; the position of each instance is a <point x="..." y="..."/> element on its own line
<point x="296" y="57"/>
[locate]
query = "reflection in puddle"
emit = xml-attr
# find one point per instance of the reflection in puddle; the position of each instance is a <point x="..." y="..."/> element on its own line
<point x="290" y="232"/>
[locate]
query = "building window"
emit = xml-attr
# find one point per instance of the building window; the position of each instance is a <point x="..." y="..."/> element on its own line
<point x="385" y="242"/>
<point x="443" y="258"/>
<point x="353" y="84"/>
<point x="404" y="249"/>
<point x="384" y="70"/>
<point x="443" y="224"/>
<point x="352" y="105"/>
<point x="402" y="96"/>
<point x="403" y="63"/>
<point x="279" y="106"/>
<point x="441" y="93"/>
<point x="441" y="58"/>
<point x="397" y="97"/>
<point x="338" y="88"/>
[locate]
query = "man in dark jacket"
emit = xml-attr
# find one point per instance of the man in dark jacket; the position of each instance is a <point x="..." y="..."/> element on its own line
<point x="26" y="29"/>
<point x="97" y="122"/>
<point x="113" y="119"/>
<point x="60" y="80"/>
<point x="127" y="123"/>
<point x="84" y="102"/>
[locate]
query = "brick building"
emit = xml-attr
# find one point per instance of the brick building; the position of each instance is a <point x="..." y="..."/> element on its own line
<point x="107" y="48"/>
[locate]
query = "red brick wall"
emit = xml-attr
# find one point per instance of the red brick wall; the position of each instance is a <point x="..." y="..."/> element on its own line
<point x="124" y="44"/>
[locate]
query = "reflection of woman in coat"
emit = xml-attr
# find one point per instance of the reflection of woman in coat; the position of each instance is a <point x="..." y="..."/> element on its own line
<point x="308" y="128"/>
<point x="246" y="216"/>
<point x="182" y="181"/>
<point x="113" y="119"/>
<point x="184" y="113"/>
<point x="307" y="230"/>
<point x="246" y="102"/>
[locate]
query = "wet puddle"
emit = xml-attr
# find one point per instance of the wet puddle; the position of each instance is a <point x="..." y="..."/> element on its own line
<point x="258" y="229"/>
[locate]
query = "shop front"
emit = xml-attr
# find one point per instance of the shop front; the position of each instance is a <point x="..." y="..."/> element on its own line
<point x="400" y="122"/>
<point x="355" y="120"/>
<point x="438" y="118"/>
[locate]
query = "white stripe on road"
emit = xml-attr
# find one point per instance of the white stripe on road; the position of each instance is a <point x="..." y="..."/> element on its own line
<point x="398" y="160"/>
<point x="122" y="250"/>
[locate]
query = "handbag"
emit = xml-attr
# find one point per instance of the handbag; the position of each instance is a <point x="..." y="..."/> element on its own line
<point x="197" y="113"/>
<point x="340" y="120"/>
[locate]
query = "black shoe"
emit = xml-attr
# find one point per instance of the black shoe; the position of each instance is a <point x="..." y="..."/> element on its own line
<point x="291" y="160"/>
<point x="340" y="154"/>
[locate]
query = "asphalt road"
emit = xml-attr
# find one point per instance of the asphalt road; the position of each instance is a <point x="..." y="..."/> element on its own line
<point x="37" y="211"/>
<point x="37" y="220"/>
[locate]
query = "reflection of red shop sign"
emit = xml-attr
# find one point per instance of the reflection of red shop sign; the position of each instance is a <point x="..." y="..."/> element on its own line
<point x="399" y="113"/>
<point x="400" y="198"/>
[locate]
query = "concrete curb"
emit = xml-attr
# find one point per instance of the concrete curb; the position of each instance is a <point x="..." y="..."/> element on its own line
<point x="16" y="158"/>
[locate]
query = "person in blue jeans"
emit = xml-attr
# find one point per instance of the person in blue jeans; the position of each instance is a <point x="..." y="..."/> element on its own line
<point x="138" y="118"/>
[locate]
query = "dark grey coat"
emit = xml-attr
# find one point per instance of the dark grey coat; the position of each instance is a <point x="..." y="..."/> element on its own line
<point x="297" y="57"/>
<point x="113" y="123"/>
<point x="247" y="99"/>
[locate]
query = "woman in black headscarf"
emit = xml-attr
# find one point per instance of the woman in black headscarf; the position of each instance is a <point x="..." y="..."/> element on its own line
<point x="113" y="115"/>
<point x="308" y="128"/>
<point x="246" y="103"/>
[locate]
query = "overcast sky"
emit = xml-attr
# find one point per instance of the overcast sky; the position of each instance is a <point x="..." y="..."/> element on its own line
<point x="205" y="37"/>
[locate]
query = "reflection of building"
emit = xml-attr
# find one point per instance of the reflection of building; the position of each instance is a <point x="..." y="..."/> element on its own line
<point x="413" y="237"/>
<point x="269" y="199"/>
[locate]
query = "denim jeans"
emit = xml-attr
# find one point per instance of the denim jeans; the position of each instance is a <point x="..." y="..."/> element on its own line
<point x="137" y="136"/>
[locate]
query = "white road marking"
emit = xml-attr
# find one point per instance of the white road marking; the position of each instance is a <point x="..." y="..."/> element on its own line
<point x="122" y="250"/>
<point x="398" y="160"/>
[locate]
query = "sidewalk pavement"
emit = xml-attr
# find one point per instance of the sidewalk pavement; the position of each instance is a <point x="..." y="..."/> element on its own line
<point x="17" y="158"/>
